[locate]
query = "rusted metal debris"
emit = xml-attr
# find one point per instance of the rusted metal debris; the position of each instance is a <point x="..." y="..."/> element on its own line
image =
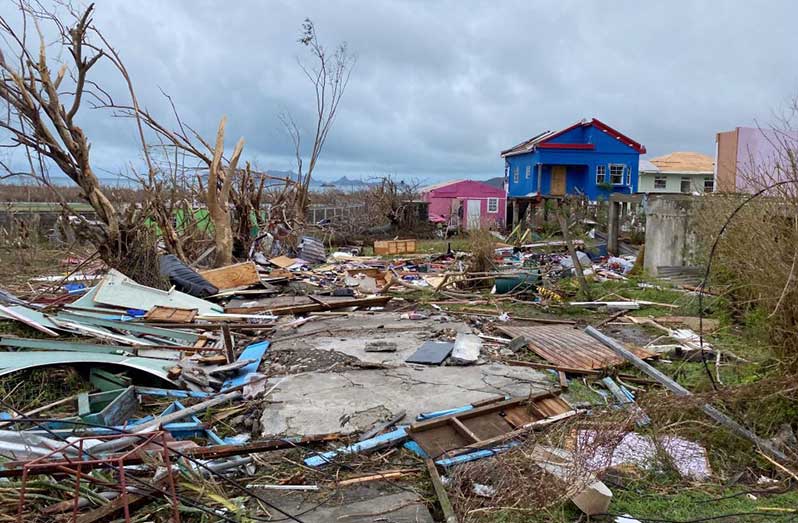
<point x="568" y="347"/>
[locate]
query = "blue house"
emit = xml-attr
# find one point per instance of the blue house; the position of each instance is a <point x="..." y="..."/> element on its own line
<point x="588" y="158"/>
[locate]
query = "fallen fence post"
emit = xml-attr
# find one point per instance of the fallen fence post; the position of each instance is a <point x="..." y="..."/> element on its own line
<point x="440" y="491"/>
<point x="674" y="387"/>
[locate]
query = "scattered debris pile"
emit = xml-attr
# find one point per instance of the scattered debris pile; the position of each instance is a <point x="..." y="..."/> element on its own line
<point x="292" y="386"/>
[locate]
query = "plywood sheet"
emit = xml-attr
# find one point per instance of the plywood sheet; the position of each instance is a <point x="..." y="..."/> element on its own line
<point x="170" y="315"/>
<point x="282" y="261"/>
<point x="232" y="276"/>
<point x="565" y="346"/>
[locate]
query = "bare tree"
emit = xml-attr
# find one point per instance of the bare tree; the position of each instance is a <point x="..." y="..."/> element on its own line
<point x="38" y="120"/>
<point x="216" y="192"/>
<point x="42" y="109"/>
<point x="329" y="76"/>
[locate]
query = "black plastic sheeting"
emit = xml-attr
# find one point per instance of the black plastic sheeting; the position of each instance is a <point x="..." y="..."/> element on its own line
<point x="184" y="278"/>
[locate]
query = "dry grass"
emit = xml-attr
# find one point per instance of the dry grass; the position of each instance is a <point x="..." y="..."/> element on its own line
<point x="757" y="258"/>
<point x="482" y="247"/>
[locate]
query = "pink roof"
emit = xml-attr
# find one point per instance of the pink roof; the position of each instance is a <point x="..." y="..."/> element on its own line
<point x="464" y="188"/>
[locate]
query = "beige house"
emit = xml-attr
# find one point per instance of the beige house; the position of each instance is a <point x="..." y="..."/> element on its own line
<point x="680" y="172"/>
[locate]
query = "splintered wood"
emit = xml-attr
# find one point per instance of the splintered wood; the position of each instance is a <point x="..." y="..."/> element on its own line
<point x="232" y="276"/>
<point x="567" y="347"/>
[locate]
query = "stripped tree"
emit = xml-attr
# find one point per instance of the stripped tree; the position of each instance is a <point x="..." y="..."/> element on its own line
<point x="41" y="117"/>
<point x="329" y="75"/>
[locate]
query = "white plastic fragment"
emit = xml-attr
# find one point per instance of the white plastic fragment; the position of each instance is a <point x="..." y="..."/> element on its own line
<point x="467" y="348"/>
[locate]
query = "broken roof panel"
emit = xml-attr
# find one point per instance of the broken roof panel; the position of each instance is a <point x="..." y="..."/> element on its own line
<point x="30" y="317"/>
<point x="11" y="362"/>
<point x="564" y="346"/>
<point x="118" y="290"/>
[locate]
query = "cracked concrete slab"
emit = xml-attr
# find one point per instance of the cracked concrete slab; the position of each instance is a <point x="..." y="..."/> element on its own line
<point x="353" y="505"/>
<point x="350" y="335"/>
<point x="352" y="401"/>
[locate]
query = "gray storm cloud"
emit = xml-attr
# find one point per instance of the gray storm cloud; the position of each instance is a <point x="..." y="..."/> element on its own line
<point x="440" y="87"/>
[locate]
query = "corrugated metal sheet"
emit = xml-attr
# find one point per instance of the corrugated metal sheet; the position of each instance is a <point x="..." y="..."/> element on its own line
<point x="15" y="361"/>
<point x="565" y="346"/>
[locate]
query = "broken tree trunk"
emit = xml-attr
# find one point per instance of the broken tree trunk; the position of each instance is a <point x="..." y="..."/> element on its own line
<point x="218" y="197"/>
<point x="677" y="389"/>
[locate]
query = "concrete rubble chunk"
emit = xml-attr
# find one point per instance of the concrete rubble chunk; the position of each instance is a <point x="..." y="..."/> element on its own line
<point x="467" y="348"/>
<point x="380" y="346"/>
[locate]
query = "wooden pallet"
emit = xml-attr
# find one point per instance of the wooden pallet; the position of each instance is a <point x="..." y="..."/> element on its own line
<point x="480" y="426"/>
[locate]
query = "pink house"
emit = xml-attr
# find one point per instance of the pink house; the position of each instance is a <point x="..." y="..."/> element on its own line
<point x="466" y="203"/>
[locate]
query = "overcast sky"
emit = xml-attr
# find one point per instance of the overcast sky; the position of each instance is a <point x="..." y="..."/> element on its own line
<point x="441" y="87"/>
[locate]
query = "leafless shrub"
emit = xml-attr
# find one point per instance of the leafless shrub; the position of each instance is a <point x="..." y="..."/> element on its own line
<point x="545" y="469"/>
<point x="482" y="247"/>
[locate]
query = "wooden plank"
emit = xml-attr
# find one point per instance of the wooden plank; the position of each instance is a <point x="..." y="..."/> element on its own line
<point x="563" y="379"/>
<point x="462" y="429"/>
<point x="370" y="301"/>
<point x="229" y="348"/>
<point x="83" y="404"/>
<point x="237" y="275"/>
<point x="466" y="428"/>
<point x="163" y="314"/>
<point x="440" y="491"/>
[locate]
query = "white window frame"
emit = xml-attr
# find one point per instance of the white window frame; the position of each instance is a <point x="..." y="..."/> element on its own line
<point x="622" y="173"/>
<point x="628" y="176"/>
<point x="494" y="203"/>
<point x="660" y="178"/>
<point x="516" y="175"/>
<point x="601" y="174"/>
<point x="528" y="173"/>
<point x="689" y="181"/>
<point x="711" y="181"/>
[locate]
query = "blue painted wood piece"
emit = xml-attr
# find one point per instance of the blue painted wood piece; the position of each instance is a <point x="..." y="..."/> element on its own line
<point x="172" y="393"/>
<point x="394" y="437"/>
<point x="438" y="413"/>
<point x="189" y="429"/>
<point x="251" y="352"/>
<point x="416" y="449"/>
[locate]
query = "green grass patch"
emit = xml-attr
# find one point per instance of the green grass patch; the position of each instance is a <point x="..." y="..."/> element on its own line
<point x="672" y="503"/>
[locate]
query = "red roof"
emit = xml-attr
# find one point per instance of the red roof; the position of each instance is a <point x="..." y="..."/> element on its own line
<point x="542" y="138"/>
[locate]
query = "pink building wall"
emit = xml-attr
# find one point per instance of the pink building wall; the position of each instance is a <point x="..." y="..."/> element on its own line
<point x="749" y="154"/>
<point x="443" y="198"/>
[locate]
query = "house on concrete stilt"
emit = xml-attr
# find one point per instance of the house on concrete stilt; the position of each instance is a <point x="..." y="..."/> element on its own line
<point x="589" y="158"/>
